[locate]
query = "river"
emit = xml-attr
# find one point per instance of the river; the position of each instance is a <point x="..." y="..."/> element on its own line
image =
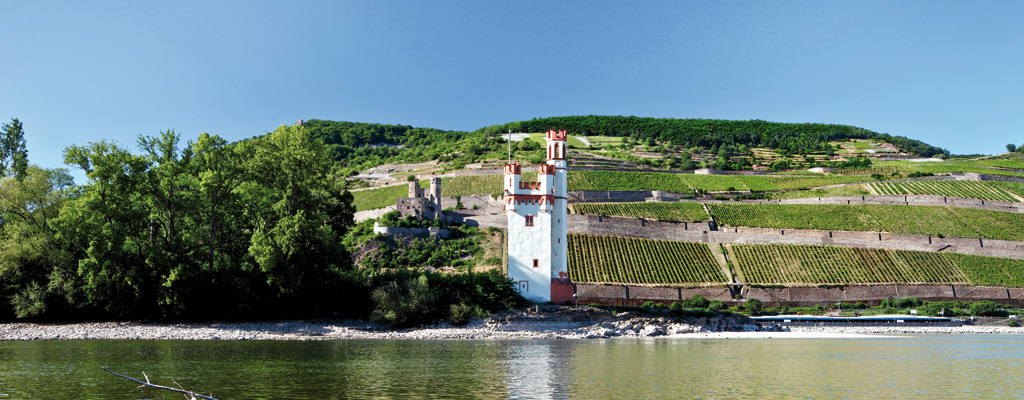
<point x="927" y="367"/>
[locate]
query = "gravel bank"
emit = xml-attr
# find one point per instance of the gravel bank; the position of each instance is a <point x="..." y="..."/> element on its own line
<point x="536" y="323"/>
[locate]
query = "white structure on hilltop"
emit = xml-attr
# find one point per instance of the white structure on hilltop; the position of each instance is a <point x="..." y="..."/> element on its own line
<point x="537" y="227"/>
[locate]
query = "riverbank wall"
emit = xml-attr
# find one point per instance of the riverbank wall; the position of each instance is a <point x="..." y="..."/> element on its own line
<point x="633" y="296"/>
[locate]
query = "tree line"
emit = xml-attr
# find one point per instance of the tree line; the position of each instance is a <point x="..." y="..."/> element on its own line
<point x="799" y="138"/>
<point x="198" y="230"/>
<point x="355" y="146"/>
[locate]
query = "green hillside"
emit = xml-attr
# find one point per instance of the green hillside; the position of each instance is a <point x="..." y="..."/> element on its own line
<point x="355" y="146"/>
<point x="800" y="138"/>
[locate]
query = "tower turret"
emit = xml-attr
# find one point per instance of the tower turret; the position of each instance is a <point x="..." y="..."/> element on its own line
<point x="557" y="145"/>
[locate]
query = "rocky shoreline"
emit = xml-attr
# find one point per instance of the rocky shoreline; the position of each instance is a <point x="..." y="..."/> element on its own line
<point x="534" y="323"/>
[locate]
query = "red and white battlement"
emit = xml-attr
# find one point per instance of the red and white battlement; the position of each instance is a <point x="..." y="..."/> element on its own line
<point x="513" y="169"/>
<point x="559" y="136"/>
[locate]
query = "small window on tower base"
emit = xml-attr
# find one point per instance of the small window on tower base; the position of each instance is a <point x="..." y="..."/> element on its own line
<point x="529" y="220"/>
<point x="536" y="263"/>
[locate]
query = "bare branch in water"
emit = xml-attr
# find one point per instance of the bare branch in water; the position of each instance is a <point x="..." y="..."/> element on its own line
<point x="147" y="384"/>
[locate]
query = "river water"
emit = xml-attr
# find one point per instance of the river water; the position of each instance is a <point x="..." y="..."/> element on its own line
<point x="923" y="367"/>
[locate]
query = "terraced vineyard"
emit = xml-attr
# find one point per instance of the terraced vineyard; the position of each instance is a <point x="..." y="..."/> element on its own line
<point x="990" y="271"/>
<point x="800" y="182"/>
<point x="910" y="220"/>
<point x="684" y="183"/>
<point x="622" y="180"/>
<point x="673" y="212"/>
<point x="612" y="259"/>
<point x="1016" y="188"/>
<point x="472" y="184"/>
<point x="713" y="183"/>
<point x="967" y="189"/>
<point x="956" y="166"/>
<point x="371" y="199"/>
<point x="618" y="260"/>
<point x="757" y="183"/>
<point x="1011" y="163"/>
<point x="804" y="265"/>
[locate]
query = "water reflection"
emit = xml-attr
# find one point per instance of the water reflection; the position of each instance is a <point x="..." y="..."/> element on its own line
<point x="907" y="367"/>
<point x="539" y="369"/>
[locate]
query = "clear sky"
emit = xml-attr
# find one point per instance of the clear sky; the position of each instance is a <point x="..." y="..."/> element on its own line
<point x="948" y="73"/>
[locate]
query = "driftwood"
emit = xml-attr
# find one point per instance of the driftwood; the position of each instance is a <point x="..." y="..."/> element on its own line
<point x="147" y="384"/>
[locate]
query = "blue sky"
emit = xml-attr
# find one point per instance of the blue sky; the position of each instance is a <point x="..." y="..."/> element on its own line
<point x="947" y="73"/>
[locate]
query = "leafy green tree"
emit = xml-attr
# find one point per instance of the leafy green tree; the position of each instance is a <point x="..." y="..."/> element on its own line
<point x="1011" y="147"/>
<point x="109" y="224"/>
<point x="296" y="241"/>
<point x="37" y="269"/>
<point x="13" y="153"/>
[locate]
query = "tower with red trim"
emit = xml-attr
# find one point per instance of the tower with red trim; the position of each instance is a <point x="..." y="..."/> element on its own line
<point x="537" y="231"/>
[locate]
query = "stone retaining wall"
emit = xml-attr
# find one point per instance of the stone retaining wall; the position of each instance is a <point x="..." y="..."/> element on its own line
<point x="432" y="232"/>
<point x="603" y="196"/>
<point x="614" y="295"/>
<point x="913" y="200"/>
<point x="796" y="296"/>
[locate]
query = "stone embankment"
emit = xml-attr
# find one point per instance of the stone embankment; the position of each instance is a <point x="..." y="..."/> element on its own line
<point x="542" y="322"/>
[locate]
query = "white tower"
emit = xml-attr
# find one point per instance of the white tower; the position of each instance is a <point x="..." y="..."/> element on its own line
<point x="537" y="232"/>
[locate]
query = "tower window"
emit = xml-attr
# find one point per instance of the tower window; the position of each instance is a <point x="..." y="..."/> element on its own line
<point x="536" y="263"/>
<point x="529" y="220"/>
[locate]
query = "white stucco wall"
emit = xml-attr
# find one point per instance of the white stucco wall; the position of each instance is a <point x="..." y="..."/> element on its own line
<point x="527" y="243"/>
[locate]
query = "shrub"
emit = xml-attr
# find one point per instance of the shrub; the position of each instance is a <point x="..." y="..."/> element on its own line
<point x="697" y="301"/>
<point x="650" y="305"/>
<point x="409" y="302"/>
<point x="1013" y="323"/>
<point x="943" y="308"/>
<point x="987" y="309"/>
<point x="716" y="305"/>
<point x="461" y="313"/>
<point x="910" y="302"/>
<point x="754" y="306"/>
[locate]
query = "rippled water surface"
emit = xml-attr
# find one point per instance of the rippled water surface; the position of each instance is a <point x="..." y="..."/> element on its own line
<point x="902" y="367"/>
